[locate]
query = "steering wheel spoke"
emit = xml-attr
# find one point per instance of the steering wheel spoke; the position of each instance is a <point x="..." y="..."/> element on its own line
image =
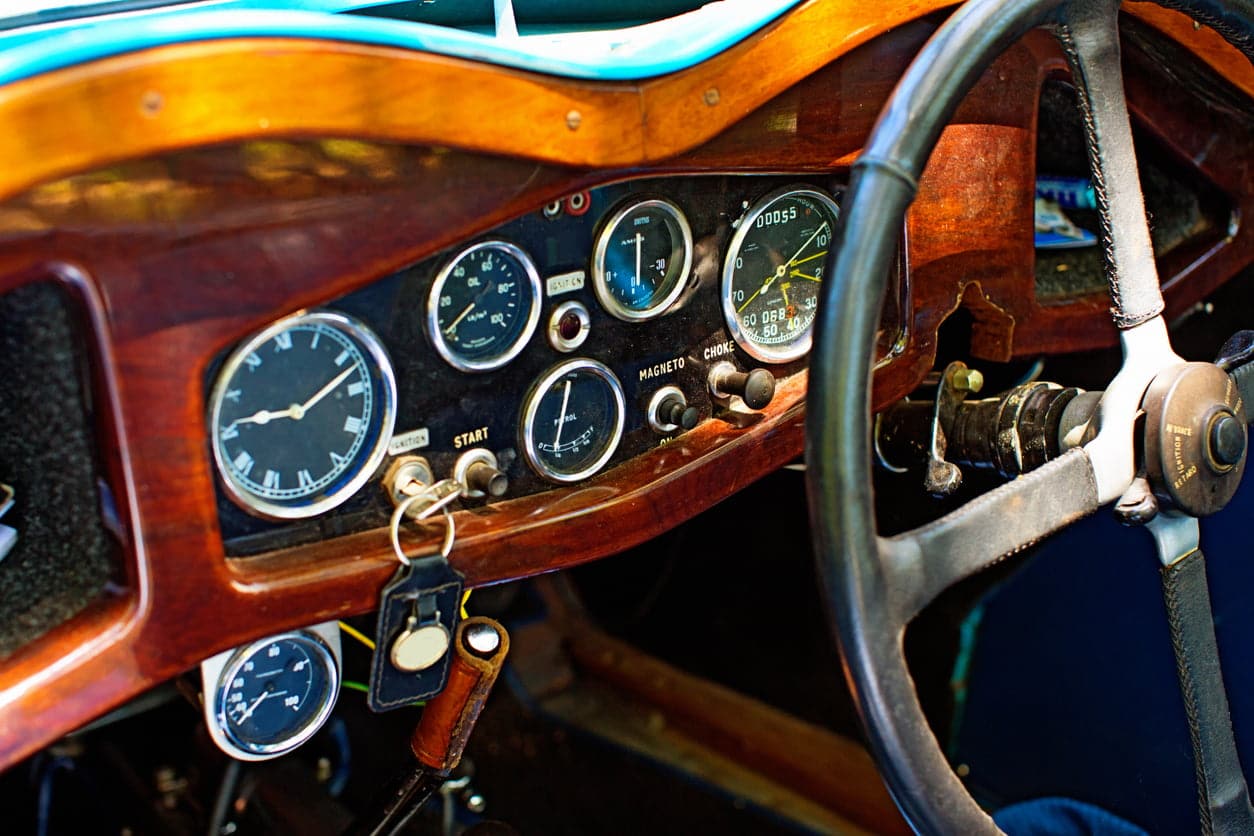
<point x="922" y="563"/>
<point x="1090" y="36"/>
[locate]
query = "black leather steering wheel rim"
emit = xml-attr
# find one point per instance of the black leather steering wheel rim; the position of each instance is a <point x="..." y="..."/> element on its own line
<point x="869" y="605"/>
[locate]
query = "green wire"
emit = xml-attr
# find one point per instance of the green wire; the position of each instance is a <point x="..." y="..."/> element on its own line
<point x="357" y="686"/>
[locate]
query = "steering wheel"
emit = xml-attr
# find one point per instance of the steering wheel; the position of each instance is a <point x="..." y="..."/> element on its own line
<point x="875" y="585"/>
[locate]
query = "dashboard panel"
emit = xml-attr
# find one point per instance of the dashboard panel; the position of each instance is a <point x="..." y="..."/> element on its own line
<point x="445" y="410"/>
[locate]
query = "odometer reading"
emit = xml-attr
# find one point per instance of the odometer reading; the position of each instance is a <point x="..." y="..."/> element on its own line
<point x="484" y="306"/>
<point x="573" y="420"/>
<point x="642" y="256"/>
<point x="773" y="272"/>
<point x="301" y="415"/>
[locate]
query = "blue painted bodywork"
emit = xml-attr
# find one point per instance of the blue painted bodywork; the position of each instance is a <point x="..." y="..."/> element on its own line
<point x="619" y="54"/>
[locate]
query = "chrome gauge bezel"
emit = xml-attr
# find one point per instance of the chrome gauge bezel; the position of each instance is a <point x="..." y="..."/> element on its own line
<point x="767" y="353"/>
<point x="515" y="347"/>
<point x="218" y="672"/>
<point x="367" y="462"/>
<point x="612" y="305"/>
<point x="532" y="405"/>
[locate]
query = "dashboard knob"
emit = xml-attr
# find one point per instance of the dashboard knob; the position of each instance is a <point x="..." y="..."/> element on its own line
<point x="755" y="388"/>
<point x="482" y="476"/>
<point x="669" y="411"/>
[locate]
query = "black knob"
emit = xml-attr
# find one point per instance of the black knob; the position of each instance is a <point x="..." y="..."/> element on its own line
<point x="674" y="410"/>
<point x="755" y="388"/>
<point x="1226" y="440"/>
<point x="485" y="478"/>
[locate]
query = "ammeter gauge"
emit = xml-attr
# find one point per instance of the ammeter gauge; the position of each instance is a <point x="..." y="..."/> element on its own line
<point x="773" y="272"/>
<point x="266" y="698"/>
<point x="573" y="420"/>
<point x="642" y="257"/>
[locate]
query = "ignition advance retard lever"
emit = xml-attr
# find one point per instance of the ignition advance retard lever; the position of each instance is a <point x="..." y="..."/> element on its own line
<point x="1012" y="433"/>
<point x="478" y="654"/>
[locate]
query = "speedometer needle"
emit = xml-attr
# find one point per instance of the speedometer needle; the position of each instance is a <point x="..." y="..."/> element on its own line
<point x="248" y="712"/>
<point x="778" y="274"/>
<point x="802" y="248"/>
<point x="561" y="420"/>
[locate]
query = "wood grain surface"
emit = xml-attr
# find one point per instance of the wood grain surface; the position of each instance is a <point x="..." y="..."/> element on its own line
<point x="195" y="193"/>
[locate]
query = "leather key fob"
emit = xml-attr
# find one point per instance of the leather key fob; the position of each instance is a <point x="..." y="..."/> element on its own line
<point x="418" y="611"/>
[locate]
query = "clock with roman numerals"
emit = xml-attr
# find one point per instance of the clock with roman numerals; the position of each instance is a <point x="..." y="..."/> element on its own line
<point x="301" y="415"/>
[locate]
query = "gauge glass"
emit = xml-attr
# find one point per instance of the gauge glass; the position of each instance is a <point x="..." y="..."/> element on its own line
<point x="275" y="694"/>
<point x="301" y="415"/>
<point x="484" y="306"/>
<point x="773" y="272"/>
<point x="573" y="420"/>
<point x="642" y="256"/>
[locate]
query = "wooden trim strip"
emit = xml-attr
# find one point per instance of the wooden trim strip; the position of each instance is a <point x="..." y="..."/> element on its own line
<point x="164" y="99"/>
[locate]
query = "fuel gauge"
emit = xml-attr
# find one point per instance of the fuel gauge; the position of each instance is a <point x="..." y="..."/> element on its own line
<point x="573" y="420"/>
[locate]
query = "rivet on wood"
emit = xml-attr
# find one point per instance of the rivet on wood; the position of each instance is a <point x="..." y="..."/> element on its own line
<point x="711" y="96"/>
<point x="573" y="119"/>
<point x="151" y="103"/>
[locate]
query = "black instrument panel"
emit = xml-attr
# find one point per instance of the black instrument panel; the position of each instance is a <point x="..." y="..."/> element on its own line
<point x="443" y="411"/>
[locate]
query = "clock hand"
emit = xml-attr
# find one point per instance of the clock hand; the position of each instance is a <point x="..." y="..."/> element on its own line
<point x="561" y="420"/>
<point x="807" y="258"/>
<point x="299" y="411"/>
<point x="265" y="416"/>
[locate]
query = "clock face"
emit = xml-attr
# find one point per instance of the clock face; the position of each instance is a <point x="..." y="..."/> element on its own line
<point x="301" y="415"/>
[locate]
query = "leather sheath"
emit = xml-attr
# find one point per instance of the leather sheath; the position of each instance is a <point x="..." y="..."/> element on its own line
<point x="449" y="718"/>
<point x="1223" y="798"/>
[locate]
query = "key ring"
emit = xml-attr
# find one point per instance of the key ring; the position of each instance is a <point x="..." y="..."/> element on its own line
<point x="450" y="531"/>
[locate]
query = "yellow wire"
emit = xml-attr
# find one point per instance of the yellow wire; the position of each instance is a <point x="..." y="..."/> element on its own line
<point x="357" y="634"/>
<point x="368" y="642"/>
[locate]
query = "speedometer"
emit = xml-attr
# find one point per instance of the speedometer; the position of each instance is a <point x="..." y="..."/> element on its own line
<point x="773" y="271"/>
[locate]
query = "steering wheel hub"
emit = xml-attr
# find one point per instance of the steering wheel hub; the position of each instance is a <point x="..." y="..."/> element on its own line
<point x="1195" y="437"/>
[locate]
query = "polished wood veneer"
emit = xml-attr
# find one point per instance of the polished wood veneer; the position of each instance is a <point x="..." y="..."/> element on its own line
<point x="214" y="202"/>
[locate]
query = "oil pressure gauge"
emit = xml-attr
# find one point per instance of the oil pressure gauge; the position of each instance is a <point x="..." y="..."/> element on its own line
<point x="573" y="420"/>
<point x="266" y="698"/>
<point x="484" y="306"/>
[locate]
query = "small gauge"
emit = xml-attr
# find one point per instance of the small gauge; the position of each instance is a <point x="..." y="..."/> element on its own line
<point x="301" y="415"/>
<point x="484" y="306"/>
<point x="573" y="420"/>
<point x="642" y="256"/>
<point x="268" y="697"/>
<point x="773" y="272"/>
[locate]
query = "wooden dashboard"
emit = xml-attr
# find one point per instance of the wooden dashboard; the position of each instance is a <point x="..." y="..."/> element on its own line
<point x="175" y="193"/>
